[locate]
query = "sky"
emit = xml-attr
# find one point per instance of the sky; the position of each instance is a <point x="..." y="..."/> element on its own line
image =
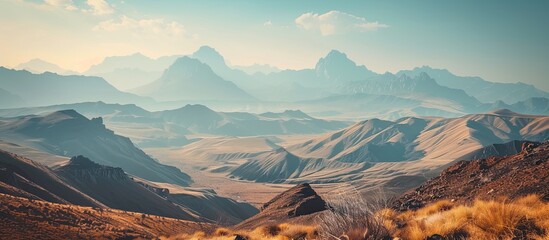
<point x="500" y="41"/>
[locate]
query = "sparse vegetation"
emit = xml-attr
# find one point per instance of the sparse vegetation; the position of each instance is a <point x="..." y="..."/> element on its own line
<point x="523" y="218"/>
<point x="351" y="216"/>
<point x="269" y="232"/>
<point x="21" y="218"/>
<point x="358" y="219"/>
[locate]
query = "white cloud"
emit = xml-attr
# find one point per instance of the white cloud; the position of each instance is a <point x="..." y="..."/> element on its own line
<point x="66" y="4"/>
<point x="268" y="23"/>
<point x="95" y="7"/>
<point x="142" y="26"/>
<point x="99" y="7"/>
<point x="335" y="22"/>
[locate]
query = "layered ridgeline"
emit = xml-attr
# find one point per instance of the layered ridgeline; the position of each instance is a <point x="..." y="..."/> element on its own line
<point x="201" y="119"/>
<point x="339" y="84"/>
<point x="81" y="181"/>
<point x="67" y="133"/>
<point x="50" y="88"/>
<point x="379" y="150"/>
<point x="169" y="127"/>
<point x="40" y="66"/>
<point x="191" y="80"/>
<point x="23" y="177"/>
<point x="128" y="72"/>
<point x="479" y="88"/>
<point x="112" y="187"/>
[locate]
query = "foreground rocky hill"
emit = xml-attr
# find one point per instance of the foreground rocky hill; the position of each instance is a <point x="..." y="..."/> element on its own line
<point x="23" y="218"/>
<point x="512" y="176"/>
<point x="81" y="181"/>
<point x="300" y="204"/>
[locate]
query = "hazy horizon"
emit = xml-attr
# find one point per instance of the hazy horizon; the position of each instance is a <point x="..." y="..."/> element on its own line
<point x="492" y="40"/>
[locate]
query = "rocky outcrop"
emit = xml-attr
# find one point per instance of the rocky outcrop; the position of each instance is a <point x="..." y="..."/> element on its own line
<point x="512" y="176"/>
<point x="297" y="201"/>
<point x="84" y="169"/>
<point x="298" y="204"/>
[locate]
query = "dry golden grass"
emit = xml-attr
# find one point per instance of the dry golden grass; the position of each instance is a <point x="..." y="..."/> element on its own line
<point x="524" y="218"/>
<point x="501" y="219"/>
<point x="269" y="232"/>
<point x="21" y="218"/>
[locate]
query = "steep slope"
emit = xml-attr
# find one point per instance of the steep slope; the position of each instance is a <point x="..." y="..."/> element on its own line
<point x="50" y="88"/>
<point x="511" y="176"/>
<point x="336" y="68"/>
<point x="276" y="166"/>
<point x="297" y="204"/>
<point x="112" y="187"/>
<point x="479" y="88"/>
<point x="426" y="137"/>
<point x="212" y="207"/>
<point x="67" y="133"/>
<point x="212" y="58"/>
<point x="383" y="150"/>
<point x="22" y="218"/>
<point x="190" y="79"/>
<point x="496" y="150"/>
<point x="23" y="177"/>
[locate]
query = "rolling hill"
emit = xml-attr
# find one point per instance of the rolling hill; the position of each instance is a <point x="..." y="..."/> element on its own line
<point x="379" y="150"/>
<point x="67" y="133"/>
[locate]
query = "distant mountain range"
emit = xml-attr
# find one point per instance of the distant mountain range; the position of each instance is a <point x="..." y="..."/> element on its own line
<point x="190" y="79"/>
<point x="169" y="127"/>
<point x="128" y="72"/>
<point x="51" y="88"/>
<point x="258" y="68"/>
<point x="205" y="77"/>
<point x="479" y="88"/>
<point x="38" y="66"/>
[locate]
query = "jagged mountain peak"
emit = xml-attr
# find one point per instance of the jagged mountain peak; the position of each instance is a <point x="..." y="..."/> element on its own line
<point x="337" y="67"/>
<point x="209" y="55"/>
<point x="82" y="162"/>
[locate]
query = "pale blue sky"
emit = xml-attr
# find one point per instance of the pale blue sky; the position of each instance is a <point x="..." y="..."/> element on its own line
<point x="505" y="41"/>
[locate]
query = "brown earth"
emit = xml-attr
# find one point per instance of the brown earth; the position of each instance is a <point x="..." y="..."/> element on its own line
<point x="21" y="218"/>
<point x="512" y="176"/>
<point x="299" y="204"/>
